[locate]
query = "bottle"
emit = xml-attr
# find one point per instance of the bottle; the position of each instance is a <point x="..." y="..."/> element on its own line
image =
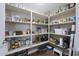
<point x="27" y="42"/>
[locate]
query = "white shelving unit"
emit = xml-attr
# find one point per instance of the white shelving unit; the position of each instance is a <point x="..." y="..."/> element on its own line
<point x="38" y="17"/>
<point x="67" y="13"/>
<point x="32" y="25"/>
<point x="30" y="14"/>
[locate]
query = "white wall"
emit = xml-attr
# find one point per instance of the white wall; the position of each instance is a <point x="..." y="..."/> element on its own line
<point x="2" y="22"/>
<point x="76" y="41"/>
<point x="2" y="29"/>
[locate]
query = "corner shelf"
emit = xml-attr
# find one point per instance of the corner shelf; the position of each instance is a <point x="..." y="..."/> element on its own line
<point x="67" y="13"/>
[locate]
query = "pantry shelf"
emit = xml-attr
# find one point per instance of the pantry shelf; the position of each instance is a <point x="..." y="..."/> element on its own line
<point x="59" y="47"/>
<point x="40" y="34"/>
<point x="17" y="22"/>
<point x="69" y="11"/>
<point x="66" y="23"/>
<point x="61" y="35"/>
<point x="17" y="36"/>
<point x="39" y="24"/>
<point x="26" y="47"/>
<point x="34" y="25"/>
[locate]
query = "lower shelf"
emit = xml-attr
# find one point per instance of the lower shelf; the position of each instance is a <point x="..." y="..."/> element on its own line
<point x="25" y="47"/>
<point x="59" y="47"/>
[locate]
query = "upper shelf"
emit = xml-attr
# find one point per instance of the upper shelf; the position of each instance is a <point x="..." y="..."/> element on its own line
<point x="24" y="10"/>
<point x="15" y="22"/>
<point x="69" y="12"/>
<point x="40" y="24"/>
<point x="13" y="8"/>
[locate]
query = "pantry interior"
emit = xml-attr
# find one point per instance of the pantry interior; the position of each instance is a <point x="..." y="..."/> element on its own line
<point x="32" y="33"/>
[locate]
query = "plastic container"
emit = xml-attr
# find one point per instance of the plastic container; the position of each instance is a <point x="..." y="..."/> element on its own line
<point x="49" y="48"/>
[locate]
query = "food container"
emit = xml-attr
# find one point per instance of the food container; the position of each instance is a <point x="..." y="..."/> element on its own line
<point x="18" y="32"/>
<point x="71" y="5"/>
<point x="15" y="17"/>
<point x="28" y="31"/>
<point x="24" y="32"/>
<point x="27" y="41"/>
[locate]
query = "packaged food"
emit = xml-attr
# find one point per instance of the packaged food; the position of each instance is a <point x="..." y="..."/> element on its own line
<point x="18" y="32"/>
